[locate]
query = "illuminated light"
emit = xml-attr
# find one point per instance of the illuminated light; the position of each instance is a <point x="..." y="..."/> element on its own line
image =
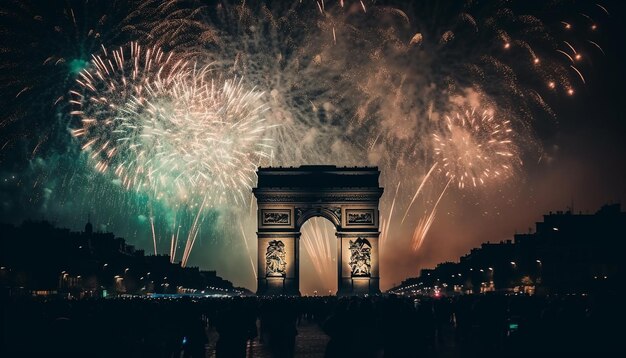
<point x="536" y="60"/>
<point x="555" y="228"/>
<point x="570" y="92"/>
<point x="538" y="261"/>
<point x="513" y="263"/>
<point x="491" y="269"/>
<point x="594" y="27"/>
<point x="507" y="45"/>
<point x="551" y="85"/>
<point x="578" y="57"/>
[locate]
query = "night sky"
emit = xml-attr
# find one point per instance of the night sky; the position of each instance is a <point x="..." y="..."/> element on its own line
<point x="363" y="84"/>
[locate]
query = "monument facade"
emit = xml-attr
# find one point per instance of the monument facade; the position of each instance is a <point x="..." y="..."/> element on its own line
<point x="347" y="197"/>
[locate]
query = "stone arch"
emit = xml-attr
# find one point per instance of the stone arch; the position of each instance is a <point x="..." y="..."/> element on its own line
<point x="347" y="197"/>
<point x="327" y="213"/>
<point x="318" y="256"/>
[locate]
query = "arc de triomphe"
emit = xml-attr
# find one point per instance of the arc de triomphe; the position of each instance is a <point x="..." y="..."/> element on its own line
<point x="288" y="197"/>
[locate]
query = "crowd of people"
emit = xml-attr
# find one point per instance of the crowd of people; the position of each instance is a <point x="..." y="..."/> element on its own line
<point x="381" y="326"/>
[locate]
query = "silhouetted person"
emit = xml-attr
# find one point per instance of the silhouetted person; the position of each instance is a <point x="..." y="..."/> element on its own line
<point x="235" y="326"/>
<point x="280" y="323"/>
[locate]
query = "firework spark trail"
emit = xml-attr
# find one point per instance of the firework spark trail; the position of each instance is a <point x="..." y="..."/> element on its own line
<point x="175" y="245"/>
<point x="387" y="223"/>
<point x="425" y="222"/>
<point x="193" y="233"/>
<point x="419" y="188"/>
<point x="245" y="241"/>
<point x="153" y="233"/>
<point x="172" y="243"/>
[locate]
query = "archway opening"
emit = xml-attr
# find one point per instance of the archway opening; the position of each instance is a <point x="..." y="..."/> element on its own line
<point x="318" y="258"/>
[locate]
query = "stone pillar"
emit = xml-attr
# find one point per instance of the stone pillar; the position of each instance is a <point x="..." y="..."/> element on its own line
<point x="358" y="264"/>
<point x="278" y="263"/>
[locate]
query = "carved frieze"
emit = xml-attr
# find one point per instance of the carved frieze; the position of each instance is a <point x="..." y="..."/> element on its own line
<point x="275" y="217"/>
<point x="360" y="217"/>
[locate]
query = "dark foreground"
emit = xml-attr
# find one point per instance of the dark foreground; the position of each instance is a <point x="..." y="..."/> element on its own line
<point x="315" y="327"/>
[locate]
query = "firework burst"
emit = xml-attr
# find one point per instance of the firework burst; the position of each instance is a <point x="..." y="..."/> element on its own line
<point x="180" y="134"/>
<point x="475" y="148"/>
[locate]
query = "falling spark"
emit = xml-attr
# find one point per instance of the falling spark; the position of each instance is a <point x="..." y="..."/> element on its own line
<point x="245" y="241"/>
<point x="386" y="224"/>
<point x="579" y="74"/>
<point x="419" y="188"/>
<point x="424" y="224"/>
<point x="153" y="234"/>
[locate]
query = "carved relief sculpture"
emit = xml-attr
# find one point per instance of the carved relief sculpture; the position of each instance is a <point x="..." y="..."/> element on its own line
<point x="276" y="217"/>
<point x="275" y="259"/>
<point x="360" y="257"/>
<point x="360" y="217"/>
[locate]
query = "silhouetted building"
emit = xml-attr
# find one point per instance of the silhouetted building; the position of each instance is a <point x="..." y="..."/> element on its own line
<point x="38" y="258"/>
<point x="567" y="253"/>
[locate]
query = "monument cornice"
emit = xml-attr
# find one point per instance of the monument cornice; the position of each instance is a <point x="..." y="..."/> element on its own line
<point x="339" y="195"/>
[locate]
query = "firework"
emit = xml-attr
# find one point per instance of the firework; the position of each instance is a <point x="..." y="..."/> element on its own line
<point x="423" y="226"/>
<point x="277" y="49"/>
<point x="475" y="148"/>
<point x="181" y="134"/>
<point x="44" y="46"/>
<point x="472" y="149"/>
